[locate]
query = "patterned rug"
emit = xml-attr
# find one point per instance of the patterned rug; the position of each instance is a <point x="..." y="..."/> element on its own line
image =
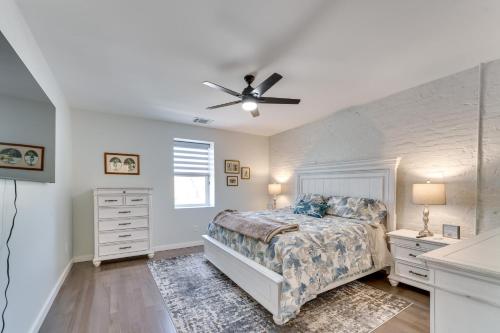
<point x="202" y="299"/>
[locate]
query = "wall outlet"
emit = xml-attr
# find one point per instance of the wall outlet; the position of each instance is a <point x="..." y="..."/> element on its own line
<point x="196" y="228"/>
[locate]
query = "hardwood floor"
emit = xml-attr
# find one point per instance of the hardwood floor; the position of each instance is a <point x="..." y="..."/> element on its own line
<point x="122" y="297"/>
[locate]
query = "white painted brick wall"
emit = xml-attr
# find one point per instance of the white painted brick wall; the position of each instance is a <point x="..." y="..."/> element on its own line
<point x="489" y="180"/>
<point x="433" y="127"/>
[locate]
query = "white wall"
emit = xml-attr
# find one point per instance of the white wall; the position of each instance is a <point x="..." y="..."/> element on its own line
<point x="446" y="130"/>
<point x="95" y="133"/>
<point x="41" y="243"/>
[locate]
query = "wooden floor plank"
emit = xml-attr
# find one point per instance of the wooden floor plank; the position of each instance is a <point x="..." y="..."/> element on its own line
<point x="122" y="297"/>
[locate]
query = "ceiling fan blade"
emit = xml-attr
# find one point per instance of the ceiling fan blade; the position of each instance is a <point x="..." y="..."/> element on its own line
<point x="255" y="113"/>
<point x="276" y="100"/>
<point x="266" y="84"/>
<point x="222" y="105"/>
<point x="216" y="86"/>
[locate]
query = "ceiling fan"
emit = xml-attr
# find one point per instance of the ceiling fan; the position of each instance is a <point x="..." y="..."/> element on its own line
<point x="250" y="97"/>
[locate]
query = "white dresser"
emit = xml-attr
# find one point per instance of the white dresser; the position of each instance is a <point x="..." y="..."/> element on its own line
<point x="122" y="223"/>
<point x="466" y="279"/>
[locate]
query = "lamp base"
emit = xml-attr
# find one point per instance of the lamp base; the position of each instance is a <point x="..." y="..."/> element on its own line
<point x="425" y="233"/>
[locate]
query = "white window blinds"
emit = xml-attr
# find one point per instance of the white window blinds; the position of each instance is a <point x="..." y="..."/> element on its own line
<point x="192" y="158"/>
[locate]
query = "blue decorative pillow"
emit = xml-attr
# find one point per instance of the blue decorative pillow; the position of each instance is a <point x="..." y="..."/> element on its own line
<point x="370" y="210"/>
<point x="314" y="208"/>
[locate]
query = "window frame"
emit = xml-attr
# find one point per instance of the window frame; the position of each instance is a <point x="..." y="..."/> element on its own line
<point x="209" y="178"/>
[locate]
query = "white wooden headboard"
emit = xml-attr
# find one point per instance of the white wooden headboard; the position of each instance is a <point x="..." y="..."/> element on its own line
<point x="374" y="179"/>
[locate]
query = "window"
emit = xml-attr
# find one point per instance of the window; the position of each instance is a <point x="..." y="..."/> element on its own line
<point x="193" y="173"/>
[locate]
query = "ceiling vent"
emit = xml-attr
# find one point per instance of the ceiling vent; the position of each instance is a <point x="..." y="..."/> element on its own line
<point x="202" y="121"/>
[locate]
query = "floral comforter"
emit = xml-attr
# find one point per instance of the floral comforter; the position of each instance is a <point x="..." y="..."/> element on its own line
<point x="324" y="250"/>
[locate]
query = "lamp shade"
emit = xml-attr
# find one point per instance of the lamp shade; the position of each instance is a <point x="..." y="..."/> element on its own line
<point x="429" y="194"/>
<point x="274" y="189"/>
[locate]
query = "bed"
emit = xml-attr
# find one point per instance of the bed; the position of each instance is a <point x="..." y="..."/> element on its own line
<point x="327" y="252"/>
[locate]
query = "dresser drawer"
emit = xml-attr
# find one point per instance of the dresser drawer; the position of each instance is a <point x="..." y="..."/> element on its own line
<point x="407" y="254"/>
<point x="108" y="225"/>
<point x="415" y="244"/>
<point x="106" y="213"/>
<point x="468" y="286"/>
<point x="110" y="201"/>
<point x="136" y="200"/>
<point x="412" y="272"/>
<point x="122" y="235"/>
<point x="105" y="250"/>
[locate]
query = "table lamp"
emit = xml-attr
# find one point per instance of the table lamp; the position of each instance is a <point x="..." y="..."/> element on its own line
<point x="274" y="190"/>
<point x="428" y="194"/>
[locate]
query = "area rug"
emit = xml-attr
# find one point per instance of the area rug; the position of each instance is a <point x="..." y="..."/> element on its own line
<point x="202" y="299"/>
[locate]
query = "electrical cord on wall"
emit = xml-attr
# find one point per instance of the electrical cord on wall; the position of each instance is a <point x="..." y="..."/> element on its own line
<point x="8" y="256"/>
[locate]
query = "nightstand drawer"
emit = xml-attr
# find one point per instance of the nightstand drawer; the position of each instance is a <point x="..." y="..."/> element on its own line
<point x="412" y="272"/>
<point x="407" y="254"/>
<point x="415" y="244"/>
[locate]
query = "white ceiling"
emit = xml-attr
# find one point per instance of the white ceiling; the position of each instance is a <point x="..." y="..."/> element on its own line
<point x="148" y="58"/>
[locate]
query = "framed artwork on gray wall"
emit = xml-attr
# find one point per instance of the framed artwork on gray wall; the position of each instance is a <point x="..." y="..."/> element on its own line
<point x="245" y="172"/>
<point x="232" y="181"/>
<point x="20" y="156"/>
<point x="121" y="164"/>
<point x="232" y="166"/>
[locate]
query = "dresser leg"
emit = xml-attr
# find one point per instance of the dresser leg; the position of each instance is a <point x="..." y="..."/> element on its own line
<point x="393" y="283"/>
<point x="97" y="263"/>
<point x="151" y="255"/>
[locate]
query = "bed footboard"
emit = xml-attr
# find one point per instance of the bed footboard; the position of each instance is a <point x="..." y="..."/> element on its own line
<point x="261" y="283"/>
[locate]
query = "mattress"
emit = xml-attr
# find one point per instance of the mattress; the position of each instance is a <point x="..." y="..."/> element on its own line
<point x="323" y="251"/>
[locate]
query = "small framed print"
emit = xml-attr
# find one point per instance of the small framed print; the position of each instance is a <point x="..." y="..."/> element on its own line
<point x="245" y="173"/>
<point x="18" y="156"/>
<point x="232" y="166"/>
<point x="121" y="164"/>
<point x="232" y="181"/>
<point x="451" y="231"/>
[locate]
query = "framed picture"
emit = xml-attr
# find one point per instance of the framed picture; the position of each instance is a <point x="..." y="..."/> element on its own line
<point x="232" y="166"/>
<point x="451" y="231"/>
<point x="121" y="164"/>
<point x="18" y="156"/>
<point x="232" y="181"/>
<point x="245" y="173"/>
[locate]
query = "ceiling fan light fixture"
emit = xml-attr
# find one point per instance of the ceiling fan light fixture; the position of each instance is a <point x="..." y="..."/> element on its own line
<point x="249" y="105"/>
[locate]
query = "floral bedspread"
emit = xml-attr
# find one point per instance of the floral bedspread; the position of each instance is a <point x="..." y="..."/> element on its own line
<point x="324" y="250"/>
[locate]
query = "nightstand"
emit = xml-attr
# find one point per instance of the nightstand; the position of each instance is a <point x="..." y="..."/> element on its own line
<point x="407" y="267"/>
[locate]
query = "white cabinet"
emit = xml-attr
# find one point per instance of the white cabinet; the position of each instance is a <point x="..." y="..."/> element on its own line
<point x="467" y="285"/>
<point x="122" y="223"/>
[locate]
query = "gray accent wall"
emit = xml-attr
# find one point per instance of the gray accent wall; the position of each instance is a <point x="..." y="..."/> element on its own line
<point x="96" y="133"/>
<point x="435" y="128"/>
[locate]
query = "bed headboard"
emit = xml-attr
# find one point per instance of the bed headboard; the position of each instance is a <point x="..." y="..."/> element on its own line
<point x="374" y="179"/>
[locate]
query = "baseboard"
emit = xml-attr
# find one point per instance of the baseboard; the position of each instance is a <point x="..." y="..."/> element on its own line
<point x="89" y="257"/>
<point x="178" y="245"/>
<point x="86" y="257"/>
<point x="52" y="296"/>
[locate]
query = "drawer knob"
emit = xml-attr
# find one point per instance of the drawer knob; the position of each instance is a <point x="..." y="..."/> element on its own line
<point x="125" y="247"/>
<point x="418" y="274"/>
<point x="412" y="255"/>
<point x="109" y="200"/>
<point x="417" y="244"/>
<point x="125" y="223"/>
<point x="135" y="200"/>
<point x="123" y="236"/>
<point x="124" y="212"/>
